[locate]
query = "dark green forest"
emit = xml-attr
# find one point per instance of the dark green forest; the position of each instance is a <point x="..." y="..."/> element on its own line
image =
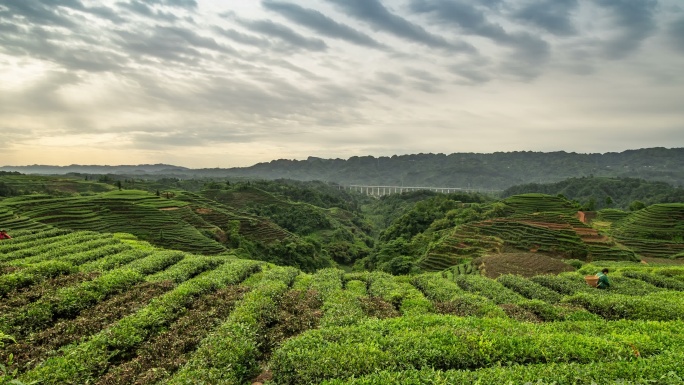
<point x="499" y="170"/>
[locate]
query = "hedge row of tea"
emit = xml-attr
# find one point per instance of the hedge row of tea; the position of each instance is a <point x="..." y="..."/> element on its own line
<point x="631" y="332"/>
<point x="475" y="345"/>
<point x="216" y="319"/>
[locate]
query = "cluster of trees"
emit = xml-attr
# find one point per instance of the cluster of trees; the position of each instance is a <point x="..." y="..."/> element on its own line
<point x="408" y="235"/>
<point x="7" y="190"/>
<point x="301" y="219"/>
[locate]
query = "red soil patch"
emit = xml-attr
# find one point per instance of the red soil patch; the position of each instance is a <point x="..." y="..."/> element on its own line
<point x="524" y="264"/>
<point x="168" y="208"/>
<point x="203" y="211"/>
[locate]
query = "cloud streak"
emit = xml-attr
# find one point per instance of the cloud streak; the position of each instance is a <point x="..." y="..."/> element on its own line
<point x="320" y="23"/>
<point x="374" y="13"/>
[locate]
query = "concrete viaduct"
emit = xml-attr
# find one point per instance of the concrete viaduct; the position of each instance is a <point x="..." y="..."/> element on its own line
<point x="386" y="190"/>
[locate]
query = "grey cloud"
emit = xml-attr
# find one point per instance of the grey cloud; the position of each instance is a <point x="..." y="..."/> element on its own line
<point x="137" y="7"/>
<point x="176" y="3"/>
<point x="39" y="43"/>
<point x="529" y="52"/>
<point x="159" y="45"/>
<point x="635" y="21"/>
<point x="554" y="16"/>
<point x="422" y="75"/>
<point x="527" y="60"/>
<point x="472" y="72"/>
<point x="491" y="3"/>
<point x="243" y="38"/>
<point x="388" y="77"/>
<point x="6" y="27"/>
<point x="423" y="81"/>
<point x="320" y="23"/>
<point x="380" y="18"/>
<point x="386" y="83"/>
<point x="38" y="12"/>
<point x="106" y="13"/>
<point x="675" y="32"/>
<point x="284" y="33"/>
<point x="90" y="60"/>
<point x="144" y="9"/>
<point x="469" y="19"/>
<point x="159" y="140"/>
<point x="472" y="75"/>
<point x="278" y="99"/>
<point x="44" y="13"/>
<point x="193" y="38"/>
<point x="170" y="43"/>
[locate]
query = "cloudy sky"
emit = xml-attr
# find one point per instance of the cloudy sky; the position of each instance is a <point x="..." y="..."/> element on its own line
<point x="225" y="83"/>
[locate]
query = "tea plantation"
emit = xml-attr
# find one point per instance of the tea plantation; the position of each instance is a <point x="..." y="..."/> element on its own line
<point x="243" y="284"/>
<point x="82" y="307"/>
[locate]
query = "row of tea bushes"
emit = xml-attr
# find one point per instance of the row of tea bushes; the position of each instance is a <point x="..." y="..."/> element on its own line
<point x="665" y="369"/>
<point x="76" y="242"/>
<point x="82" y="363"/>
<point x="69" y="301"/>
<point x="448" y="343"/>
<point x="659" y="306"/>
<point x="231" y="354"/>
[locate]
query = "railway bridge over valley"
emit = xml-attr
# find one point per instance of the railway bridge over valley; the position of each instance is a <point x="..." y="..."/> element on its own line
<point x="387" y="190"/>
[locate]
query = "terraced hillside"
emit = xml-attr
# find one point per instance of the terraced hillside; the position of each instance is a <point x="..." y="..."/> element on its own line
<point x="62" y="186"/>
<point x="86" y="307"/>
<point x="537" y="203"/>
<point x="656" y="231"/>
<point x="136" y="212"/>
<point x="184" y="222"/>
<point x="550" y="232"/>
<point x="458" y="246"/>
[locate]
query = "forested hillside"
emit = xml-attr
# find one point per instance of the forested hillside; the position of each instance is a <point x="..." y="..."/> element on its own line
<point x="600" y="193"/>
<point x="499" y="170"/>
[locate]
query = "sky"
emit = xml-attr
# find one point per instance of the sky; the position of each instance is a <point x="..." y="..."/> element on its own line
<point x="230" y="83"/>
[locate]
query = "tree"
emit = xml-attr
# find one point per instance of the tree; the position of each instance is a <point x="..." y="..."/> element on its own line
<point x="590" y="206"/>
<point x="636" y="206"/>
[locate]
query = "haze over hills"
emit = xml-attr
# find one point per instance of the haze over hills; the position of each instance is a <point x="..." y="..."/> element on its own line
<point x="498" y="170"/>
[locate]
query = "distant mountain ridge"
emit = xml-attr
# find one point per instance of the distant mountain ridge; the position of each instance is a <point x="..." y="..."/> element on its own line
<point x="498" y="170"/>
<point x="96" y="169"/>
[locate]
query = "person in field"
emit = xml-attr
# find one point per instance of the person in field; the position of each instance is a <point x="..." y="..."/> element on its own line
<point x="603" y="282"/>
<point x="4" y="235"/>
